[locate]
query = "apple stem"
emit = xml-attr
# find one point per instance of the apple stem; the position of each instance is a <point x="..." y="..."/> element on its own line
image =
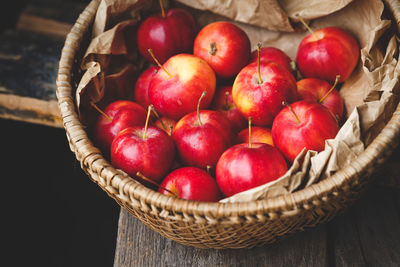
<point x="159" y="118"/>
<point x="291" y="109"/>
<point x="293" y="65"/>
<point x="260" y="81"/>
<point x="158" y="62"/>
<point x="140" y="175"/>
<point x="198" y="106"/>
<point x="249" y="132"/>
<point x="149" y="109"/>
<point x="208" y="168"/>
<point x="307" y="27"/>
<point x="100" y="111"/>
<point x="170" y="130"/>
<point x="162" y="9"/>
<point x="330" y="90"/>
<point x="213" y="48"/>
<point x="162" y="124"/>
<point x="226" y="100"/>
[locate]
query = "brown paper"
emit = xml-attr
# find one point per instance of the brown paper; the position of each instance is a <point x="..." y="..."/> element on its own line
<point x="370" y="94"/>
<point x="311" y="9"/>
<point x="101" y="90"/>
<point x="110" y="12"/>
<point x="118" y="41"/>
<point x="251" y="11"/>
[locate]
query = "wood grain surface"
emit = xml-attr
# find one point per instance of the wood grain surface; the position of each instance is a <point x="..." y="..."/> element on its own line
<point x="367" y="234"/>
<point x="29" y="54"/>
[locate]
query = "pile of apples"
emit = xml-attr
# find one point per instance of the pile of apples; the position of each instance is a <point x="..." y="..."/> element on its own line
<point x="189" y="130"/>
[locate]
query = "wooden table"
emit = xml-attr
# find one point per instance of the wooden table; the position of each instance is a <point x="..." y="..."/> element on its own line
<point x="368" y="234"/>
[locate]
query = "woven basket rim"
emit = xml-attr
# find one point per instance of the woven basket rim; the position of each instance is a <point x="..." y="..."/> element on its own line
<point x="125" y="186"/>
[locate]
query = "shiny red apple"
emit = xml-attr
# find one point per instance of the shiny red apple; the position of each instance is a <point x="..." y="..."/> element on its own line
<point x="117" y="116"/>
<point x="258" y="135"/>
<point x="175" y="89"/>
<point x="142" y="86"/>
<point x="223" y="102"/>
<point x="322" y="92"/>
<point x="192" y="184"/>
<point x="167" y="33"/>
<point x="328" y="52"/>
<point x="148" y="150"/>
<point x="259" y="94"/>
<point x="224" y="46"/>
<point x="242" y="167"/>
<point x="272" y="54"/>
<point x="303" y="124"/>
<point x="201" y="137"/>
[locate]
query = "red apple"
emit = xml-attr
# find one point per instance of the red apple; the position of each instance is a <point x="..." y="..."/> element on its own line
<point x="322" y="92"/>
<point x="142" y="86"/>
<point x="118" y="116"/>
<point x="201" y="137"/>
<point x="192" y="184"/>
<point x="326" y="53"/>
<point x="258" y="135"/>
<point x="272" y="54"/>
<point x="242" y="167"/>
<point x="224" y="46"/>
<point x="165" y="124"/>
<point x="223" y="102"/>
<point x="148" y="150"/>
<point x="167" y="34"/>
<point x="175" y="90"/>
<point x="260" y="94"/>
<point x="303" y="124"/>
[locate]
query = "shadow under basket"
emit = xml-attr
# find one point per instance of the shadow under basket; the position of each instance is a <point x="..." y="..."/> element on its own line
<point x="216" y="225"/>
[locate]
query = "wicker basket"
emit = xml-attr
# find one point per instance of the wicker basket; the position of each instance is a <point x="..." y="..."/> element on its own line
<point x="217" y="225"/>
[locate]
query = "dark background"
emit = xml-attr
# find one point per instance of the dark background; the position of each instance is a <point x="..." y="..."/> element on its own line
<point x="53" y="214"/>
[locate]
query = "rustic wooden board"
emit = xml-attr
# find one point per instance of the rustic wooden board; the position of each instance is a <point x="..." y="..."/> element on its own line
<point x="29" y="64"/>
<point x="29" y="55"/>
<point x="367" y="234"/>
<point x="137" y="245"/>
<point x="344" y="241"/>
<point x="379" y="227"/>
<point x="57" y="10"/>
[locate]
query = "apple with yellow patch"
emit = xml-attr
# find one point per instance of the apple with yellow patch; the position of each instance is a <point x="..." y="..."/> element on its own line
<point x="322" y="92"/>
<point x="260" y="88"/>
<point x="258" y="135"/>
<point x="176" y="88"/>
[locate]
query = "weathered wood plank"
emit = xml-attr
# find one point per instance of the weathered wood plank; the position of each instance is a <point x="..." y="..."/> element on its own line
<point x="49" y="17"/>
<point x="137" y="245"/>
<point x="379" y="227"/>
<point x="29" y="64"/>
<point x="29" y="58"/>
<point x="57" y="10"/>
<point x="368" y="234"/>
<point x="42" y="25"/>
<point x="345" y="242"/>
<point x="30" y="110"/>
<point x="351" y="241"/>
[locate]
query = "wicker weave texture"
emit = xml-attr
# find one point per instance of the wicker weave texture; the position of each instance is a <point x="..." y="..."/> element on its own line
<point x="216" y="225"/>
